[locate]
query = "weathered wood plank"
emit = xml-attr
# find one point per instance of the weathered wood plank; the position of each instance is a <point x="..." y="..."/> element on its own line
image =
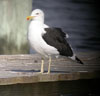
<point x="13" y="26"/>
<point x="36" y="77"/>
<point x="25" y="68"/>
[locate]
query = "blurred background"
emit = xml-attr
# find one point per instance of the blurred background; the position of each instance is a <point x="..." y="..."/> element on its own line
<point x="79" y="18"/>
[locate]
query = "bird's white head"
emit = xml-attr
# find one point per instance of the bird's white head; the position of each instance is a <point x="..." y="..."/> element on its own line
<point x="36" y="14"/>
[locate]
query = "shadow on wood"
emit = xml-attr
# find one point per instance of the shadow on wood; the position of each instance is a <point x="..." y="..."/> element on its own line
<point x="25" y="68"/>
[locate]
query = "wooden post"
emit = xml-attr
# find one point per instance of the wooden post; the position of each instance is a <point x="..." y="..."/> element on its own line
<point x="13" y="26"/>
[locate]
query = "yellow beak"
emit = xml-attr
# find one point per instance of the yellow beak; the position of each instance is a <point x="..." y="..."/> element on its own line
<point x="29" y="17"/>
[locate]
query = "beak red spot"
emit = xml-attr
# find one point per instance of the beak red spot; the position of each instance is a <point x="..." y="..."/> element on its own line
<point x="27" y="18"/>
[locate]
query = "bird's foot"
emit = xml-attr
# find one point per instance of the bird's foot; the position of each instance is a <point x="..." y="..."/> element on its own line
<point x="48" y="72"/>
<point x="41" y="72"/>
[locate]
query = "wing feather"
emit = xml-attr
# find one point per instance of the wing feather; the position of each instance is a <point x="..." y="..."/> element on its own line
<point x="57" y="38"/>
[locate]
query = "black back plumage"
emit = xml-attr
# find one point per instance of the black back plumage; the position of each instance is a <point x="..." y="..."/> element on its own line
<point x="56" y="38"/>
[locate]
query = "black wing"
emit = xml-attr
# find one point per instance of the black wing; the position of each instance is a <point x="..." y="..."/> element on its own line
<point x="56" y="38"/>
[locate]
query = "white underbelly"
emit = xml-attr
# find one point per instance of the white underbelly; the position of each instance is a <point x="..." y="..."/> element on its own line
<point x="36" y="29"/>
<point x="38" y="44"/>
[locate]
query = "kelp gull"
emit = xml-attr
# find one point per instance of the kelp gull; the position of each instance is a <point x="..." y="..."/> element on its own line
<point x="48" y="41"/>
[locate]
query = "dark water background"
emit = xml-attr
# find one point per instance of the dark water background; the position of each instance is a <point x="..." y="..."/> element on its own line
<point x="79" y="18"/>
<point x="65" y="88"/>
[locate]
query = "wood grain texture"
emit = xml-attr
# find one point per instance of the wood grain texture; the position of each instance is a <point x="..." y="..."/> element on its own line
<point x="25" y="68"/>
<point x="13" y="26"/>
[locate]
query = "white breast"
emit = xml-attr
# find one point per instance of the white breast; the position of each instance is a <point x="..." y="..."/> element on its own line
<point x="37" y="42"/>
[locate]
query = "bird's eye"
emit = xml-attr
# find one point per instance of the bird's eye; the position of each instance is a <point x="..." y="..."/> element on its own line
<point x="37" y="13"/>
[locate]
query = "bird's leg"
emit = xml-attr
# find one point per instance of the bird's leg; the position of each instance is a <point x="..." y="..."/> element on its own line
<point x="42" y="65"/>
<point x="49" y="64"/>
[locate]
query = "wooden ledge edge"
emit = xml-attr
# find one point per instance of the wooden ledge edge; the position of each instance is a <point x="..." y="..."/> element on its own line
<point x="53" y="77"/>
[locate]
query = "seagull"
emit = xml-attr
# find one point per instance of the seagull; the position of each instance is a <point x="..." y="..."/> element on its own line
<point x="48" y="41"/>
